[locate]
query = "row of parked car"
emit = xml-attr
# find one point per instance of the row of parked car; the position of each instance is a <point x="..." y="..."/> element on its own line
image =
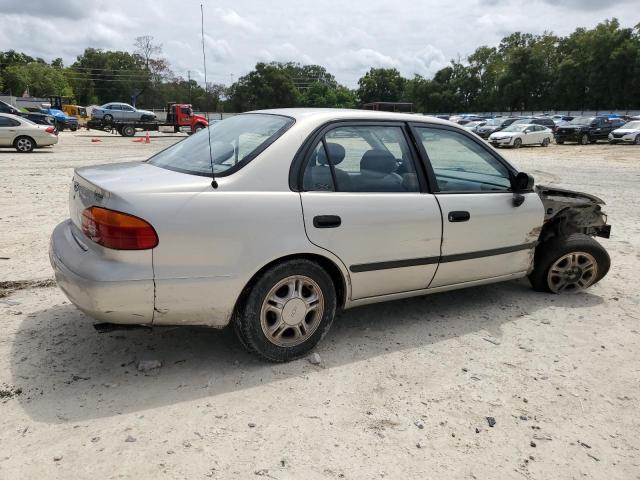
<point x="518" y="131"/>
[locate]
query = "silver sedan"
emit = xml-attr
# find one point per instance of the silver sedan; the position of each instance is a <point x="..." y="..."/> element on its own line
<point x="271" y="220"/>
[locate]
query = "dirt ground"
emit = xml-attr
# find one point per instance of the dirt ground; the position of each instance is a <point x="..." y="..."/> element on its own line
<point x="403" y="390"/>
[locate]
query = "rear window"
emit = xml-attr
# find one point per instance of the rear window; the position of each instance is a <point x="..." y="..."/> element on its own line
<point x="234" y="143"/>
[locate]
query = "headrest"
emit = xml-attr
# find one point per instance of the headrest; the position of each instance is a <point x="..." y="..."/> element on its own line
<point x="221" y="151"/>
<point x="336" y="152"/>
<point x="378" y="161"/>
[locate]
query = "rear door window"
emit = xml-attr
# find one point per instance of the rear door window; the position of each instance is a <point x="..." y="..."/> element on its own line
<point x="362" y="159"/>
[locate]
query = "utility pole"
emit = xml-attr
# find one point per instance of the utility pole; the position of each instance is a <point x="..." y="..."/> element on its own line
<point x="189" y="77"/>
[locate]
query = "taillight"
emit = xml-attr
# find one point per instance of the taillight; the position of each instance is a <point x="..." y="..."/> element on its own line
<point x="118" y="230"/>
<point x="50" y="130"/>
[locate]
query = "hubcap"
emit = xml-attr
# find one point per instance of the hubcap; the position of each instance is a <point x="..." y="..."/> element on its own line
<point x="572" y="272"/>
<point x="24" y="144"/>
<point x="292" y="311"/>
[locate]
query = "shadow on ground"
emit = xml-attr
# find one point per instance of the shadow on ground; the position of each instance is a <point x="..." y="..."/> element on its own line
<point x="70" y="372"/>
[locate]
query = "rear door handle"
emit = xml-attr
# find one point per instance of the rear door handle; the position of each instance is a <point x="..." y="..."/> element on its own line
<point x="327" y="221"/>
<point x="459" y="216"/>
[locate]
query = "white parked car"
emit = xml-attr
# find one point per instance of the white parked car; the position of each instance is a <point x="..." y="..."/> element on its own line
<point x="24" y="135"/>
<point x="120" y="112"/>
<point x="628" y="133"/>
<point x="313" y="210"/>
<point x="517" y="135"/>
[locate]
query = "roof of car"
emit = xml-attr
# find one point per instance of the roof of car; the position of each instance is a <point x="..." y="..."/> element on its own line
<point x="328" y="114"/>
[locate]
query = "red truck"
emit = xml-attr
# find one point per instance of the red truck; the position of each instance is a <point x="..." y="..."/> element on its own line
<point x="180" y="117"/>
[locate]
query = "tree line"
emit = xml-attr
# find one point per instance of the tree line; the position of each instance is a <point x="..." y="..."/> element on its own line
<point x="596" y="68"/>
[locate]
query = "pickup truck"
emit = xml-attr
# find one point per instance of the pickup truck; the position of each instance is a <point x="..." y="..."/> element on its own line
<point x="584" y="130"/>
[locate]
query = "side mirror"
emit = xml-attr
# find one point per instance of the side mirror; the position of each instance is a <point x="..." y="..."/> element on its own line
<point x="523" y="182"/>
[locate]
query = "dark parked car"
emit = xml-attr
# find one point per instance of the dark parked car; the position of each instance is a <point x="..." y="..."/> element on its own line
<point x="544" y="121"/>
<point x="495" y="125"/>
<point x="39" y="118"/>
<point x="584" y="130"/>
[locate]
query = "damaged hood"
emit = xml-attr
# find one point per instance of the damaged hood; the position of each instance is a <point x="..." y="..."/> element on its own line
<point x="573" y="210"/>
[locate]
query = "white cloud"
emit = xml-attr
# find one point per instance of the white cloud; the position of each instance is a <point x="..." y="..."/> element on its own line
<point x="233" y="19"/>
<point x="346" y="37"/>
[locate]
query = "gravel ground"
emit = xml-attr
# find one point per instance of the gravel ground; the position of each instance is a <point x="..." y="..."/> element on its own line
<point x="403" y="389"/>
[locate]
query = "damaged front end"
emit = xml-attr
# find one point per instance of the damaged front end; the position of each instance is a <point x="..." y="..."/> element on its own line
<point x="567" y="212"/>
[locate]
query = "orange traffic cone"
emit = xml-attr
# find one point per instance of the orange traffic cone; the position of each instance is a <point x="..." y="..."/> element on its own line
<point x="147" y="138"/>
<point x="95" y="140"/>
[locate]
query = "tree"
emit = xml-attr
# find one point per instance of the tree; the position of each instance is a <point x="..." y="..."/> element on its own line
<point x="381" y="85"/>
<point x="267" y="86"/>
<point x="40" y="79"/>
<point x="146" y="48"/>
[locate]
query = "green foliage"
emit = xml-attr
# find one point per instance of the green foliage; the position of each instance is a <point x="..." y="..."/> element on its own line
<point x="381" y="85"/>
<point x="40" y="79"/>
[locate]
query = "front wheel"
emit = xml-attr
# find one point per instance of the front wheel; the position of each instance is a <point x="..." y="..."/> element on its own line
<point x="637" y="141"/>
<point x="287" y="311"/>
<point x="584" y="139"/>
<point x="569" y="264"/>
<point x="560" y="142"/>
<point x="517" y="143"/>
<point x="198" y="127"/>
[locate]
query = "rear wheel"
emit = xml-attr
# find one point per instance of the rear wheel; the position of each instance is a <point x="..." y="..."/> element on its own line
<point x="637" y="141"/>
<point x="545" y="142"/>
<point x="517" y="143"/>
<point x="584" y="139"/>
<point x="128" y="131"/>
<point x="287" y="311"/>
<point x="569" y="264"/>
<point x="107" y="119"/>
<point x="24" y="144"/>
<point x="73" y="128"/>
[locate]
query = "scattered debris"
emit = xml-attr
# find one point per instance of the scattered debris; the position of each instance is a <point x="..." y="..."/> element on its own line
<point x="8" y="391"/>
<point x="57" y="458"/>
<point x="582" y="444"/>
<point x="491" y="421"/>
<point x="491" y="340"/>
<point x="533" y="444"/>
<point x="149" y="365"/>
<point x="7" y="288"/>
<point x="591" y="456"/>
<point x="251" y="425"/>
<point x="314" y="359"/>
<point x="419" y="424"/>
<point x="130" y="439"/>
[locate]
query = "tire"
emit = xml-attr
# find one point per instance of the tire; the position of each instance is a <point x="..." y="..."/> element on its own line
<point x="576" y="252"/>
<point x="24" y="144"/>
<point x="560" y="142"/>
<point x="60" y="126"/>
<point x="198" y="127"/>
<point x="147" y="118"/>
<point x="584" y="139"/>
<point x="637" y="140"/>
<point x="127" y="131"/>
<point x="107" y="119"/>
<point x="546" y="142"/>
<point x="73" y="128"/>
<point x="279" y="294"/>
<point x="517" y="143"/>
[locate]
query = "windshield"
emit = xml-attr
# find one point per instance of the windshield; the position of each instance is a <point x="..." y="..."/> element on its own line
<point x="473" y="124"/>
<point x="632" y="125"/>
<point x="582" y="120"/>
<point x="516" y="127"/>
<point x="234" y="141"/>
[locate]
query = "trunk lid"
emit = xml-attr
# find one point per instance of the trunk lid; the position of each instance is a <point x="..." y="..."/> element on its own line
<point x="124" y="186"/>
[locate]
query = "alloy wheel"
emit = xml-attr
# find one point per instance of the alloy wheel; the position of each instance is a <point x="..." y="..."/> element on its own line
<point x="24" y="145"/>
<point x="572" y="272"/>
<point x="292" y="311"/>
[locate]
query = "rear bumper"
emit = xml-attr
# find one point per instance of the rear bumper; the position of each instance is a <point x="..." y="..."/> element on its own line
<point x="127" y="301"/>
<point x="47" y="141"/>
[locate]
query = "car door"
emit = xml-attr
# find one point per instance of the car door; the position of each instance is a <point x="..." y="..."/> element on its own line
<point x="364" y="201"/>
<point x="488" y="232"/>
<point x="129" y="113"/>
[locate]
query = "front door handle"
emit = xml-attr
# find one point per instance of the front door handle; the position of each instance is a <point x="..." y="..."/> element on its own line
<point x="459" y="216"/>
<point x="327" y="221"/>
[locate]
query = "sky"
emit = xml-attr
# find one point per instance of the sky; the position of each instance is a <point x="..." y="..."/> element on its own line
<point x="346" y="36"/>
